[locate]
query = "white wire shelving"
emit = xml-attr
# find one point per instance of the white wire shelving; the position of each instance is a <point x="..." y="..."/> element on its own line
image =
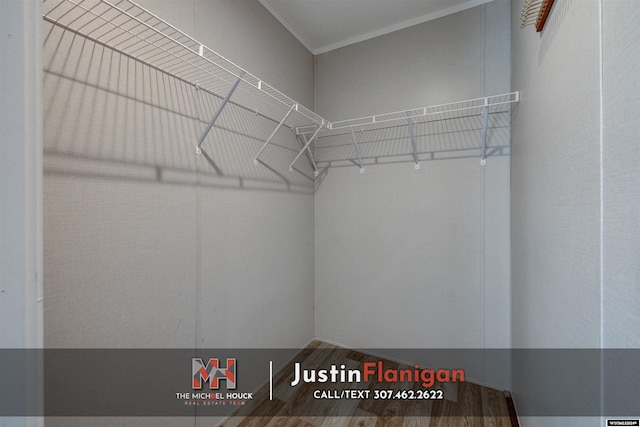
<point x="133" y="31"/>
<point x="481" y="116"/>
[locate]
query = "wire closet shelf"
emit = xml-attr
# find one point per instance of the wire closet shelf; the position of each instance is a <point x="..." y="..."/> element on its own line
<point x="133" y="31"/>
<point x="474" y="116"/>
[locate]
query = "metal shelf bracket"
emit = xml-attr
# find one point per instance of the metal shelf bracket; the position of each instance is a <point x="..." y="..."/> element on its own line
<point x="485" y="125"/>
<point x="218" y="111"/>
<point x="268" y="141"/>
<point x="313" y="162"/>
<point x="413" y="141"/>
<point x="306" y="145"/>
<point x="355" y="144"/>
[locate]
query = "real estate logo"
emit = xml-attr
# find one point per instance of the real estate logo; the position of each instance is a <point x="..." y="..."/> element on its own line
<point x="212" y="372"/>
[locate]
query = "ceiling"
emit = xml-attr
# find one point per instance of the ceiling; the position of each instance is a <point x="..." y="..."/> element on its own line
<point x="324" y="25"/>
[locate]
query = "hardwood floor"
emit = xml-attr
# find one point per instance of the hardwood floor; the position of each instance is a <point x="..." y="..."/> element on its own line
<point x="464" y="403"/>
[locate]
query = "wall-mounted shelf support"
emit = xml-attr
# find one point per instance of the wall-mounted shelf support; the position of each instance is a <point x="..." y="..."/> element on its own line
<point x="268" y="141"/>
<point x="535" y="12"/>
<point x="483" y="122"/>
<point x="310" y="154"/>
<point x="413" y="140"/>
<point x="485" y="125"/>
<point x="218" y="111"/>
<point x="309" y="141"/>
<point x="130" y="30"/>
<point x="355" y="144"/>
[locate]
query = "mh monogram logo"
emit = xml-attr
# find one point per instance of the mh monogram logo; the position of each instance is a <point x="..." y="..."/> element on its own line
<point x="213" y="373"/>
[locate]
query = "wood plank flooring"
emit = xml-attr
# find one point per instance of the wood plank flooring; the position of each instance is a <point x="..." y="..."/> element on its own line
<point x="464" y="404"/>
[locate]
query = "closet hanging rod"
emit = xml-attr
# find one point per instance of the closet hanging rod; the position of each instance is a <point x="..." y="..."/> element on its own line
<point x="130" y="29"/>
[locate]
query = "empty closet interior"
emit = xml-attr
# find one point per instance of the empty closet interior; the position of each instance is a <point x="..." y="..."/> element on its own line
<point x="209" y="182"/>
<point x="190" y="203"/>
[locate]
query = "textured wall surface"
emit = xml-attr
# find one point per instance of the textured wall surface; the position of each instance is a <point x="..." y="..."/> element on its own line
<point x="621" y="161"/>
<point x="556" y="180"/>
<point x="149" y="245"/>
<point x="555" y="191"/>
<point x="575" y="206"/>
<point x="621" y="175"/>
<point x="20" y="177"/>
<point x="409" y="257"/>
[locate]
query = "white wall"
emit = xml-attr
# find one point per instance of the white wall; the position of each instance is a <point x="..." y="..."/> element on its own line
<point x="621" y="196"/>
<point x="444" y="60"/>
<point x="555" y="193"/>
<point x="416" y="258"/>
<point x="556" y="180"/>
<point x="574" y="210"/>
<point x="147" y="244"/>
<point x="621" y="161"/>
<point x="20" y="176"/>
<point x="21" y="206"/>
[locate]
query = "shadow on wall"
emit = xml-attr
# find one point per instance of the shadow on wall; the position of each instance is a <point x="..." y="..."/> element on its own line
<point x="109" y="116"/>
